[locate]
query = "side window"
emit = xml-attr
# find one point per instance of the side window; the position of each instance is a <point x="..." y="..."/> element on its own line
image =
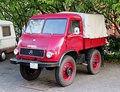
<point x="6" y="31"/>
<point x="73" y="24"/>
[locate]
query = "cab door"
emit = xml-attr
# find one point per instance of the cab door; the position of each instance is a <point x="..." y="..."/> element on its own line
<point x="74" y="41"/>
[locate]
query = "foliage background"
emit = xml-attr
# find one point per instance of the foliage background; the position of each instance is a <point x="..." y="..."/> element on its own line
<point x="19" y="12"/>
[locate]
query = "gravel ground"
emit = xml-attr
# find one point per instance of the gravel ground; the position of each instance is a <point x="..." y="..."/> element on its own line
<point x="107" y="80"/>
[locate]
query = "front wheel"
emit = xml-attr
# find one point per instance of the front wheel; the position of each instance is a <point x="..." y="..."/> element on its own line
<point x="65" y="74"/>
<point x="28" y="73"/>
<point x="94" y="61"/>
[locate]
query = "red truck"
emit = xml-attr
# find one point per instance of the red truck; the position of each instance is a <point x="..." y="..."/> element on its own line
<point x="61" y="41"/>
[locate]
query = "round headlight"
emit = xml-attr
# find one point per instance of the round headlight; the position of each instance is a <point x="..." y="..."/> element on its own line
<point x="15" y="51"/>
<point x="49" y="54"/>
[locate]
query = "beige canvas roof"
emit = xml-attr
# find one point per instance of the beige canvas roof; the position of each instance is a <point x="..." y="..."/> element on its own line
<point x="93" y="25"/>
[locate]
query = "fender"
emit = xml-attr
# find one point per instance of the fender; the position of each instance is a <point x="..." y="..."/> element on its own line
<point x="60" y="60"/>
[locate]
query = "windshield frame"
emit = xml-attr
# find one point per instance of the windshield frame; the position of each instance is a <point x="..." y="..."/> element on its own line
<point x="55" y="19"/>
<point x="30" y="31"/>
<point x="43" y="25"/>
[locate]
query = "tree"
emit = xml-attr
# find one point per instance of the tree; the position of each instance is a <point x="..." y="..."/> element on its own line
<point x="16" y="11"/>
<point x="109" y="8"/>
<point x="116" y="8"/>
<point x="20" y="11"/>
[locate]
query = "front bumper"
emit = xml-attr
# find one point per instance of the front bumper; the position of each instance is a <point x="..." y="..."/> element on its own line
<point x="27" y="62"/>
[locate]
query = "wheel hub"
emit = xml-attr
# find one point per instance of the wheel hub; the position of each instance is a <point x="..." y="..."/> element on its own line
<point x="69" y="71"/>
<point x="95" y="62"/>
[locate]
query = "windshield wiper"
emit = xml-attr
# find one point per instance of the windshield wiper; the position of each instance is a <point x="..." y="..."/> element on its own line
<point x="51" y="32"/>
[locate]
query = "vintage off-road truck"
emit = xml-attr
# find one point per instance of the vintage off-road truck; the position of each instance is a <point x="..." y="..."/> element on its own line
<point x="61" y="41"/>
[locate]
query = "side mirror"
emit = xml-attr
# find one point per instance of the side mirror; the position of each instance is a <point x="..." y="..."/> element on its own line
<point x="76" y="30"/>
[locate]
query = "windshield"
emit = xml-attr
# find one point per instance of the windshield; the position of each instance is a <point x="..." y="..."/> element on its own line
<point x="35" y="26"/>
<point x="55" y="26"/>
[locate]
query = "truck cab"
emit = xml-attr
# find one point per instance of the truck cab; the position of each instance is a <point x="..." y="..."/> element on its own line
<point x="56" y="41"/>
<point x="52" y="35"/>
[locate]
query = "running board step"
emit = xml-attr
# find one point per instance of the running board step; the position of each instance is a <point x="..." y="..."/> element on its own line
<point x="84" y="64"/>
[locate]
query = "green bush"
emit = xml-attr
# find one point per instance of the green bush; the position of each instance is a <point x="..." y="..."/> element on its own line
<point x="114" y="43"/>
<point x="112" y="49"/>
<point x="111" y="56"/>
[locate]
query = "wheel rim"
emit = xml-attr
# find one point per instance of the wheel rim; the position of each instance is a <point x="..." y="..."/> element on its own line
<point x="67" y="71"/>
<point x="96" y="62"/>
<point x="3" y="55"/>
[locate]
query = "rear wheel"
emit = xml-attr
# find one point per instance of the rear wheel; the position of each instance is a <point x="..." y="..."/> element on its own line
<point x="65" y="74"/>
<point x="2" y="56"/>
<point x="28" y="73"/>
<point x="94" y="61"/>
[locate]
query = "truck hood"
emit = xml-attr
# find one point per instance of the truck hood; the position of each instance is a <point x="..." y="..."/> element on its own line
<point x="40" y="41"/>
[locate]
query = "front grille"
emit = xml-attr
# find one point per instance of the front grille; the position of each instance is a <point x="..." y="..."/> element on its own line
<point x="32" y="52"/>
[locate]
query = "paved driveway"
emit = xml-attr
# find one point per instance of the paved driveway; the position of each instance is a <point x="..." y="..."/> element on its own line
<point x="108" y="80"/>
